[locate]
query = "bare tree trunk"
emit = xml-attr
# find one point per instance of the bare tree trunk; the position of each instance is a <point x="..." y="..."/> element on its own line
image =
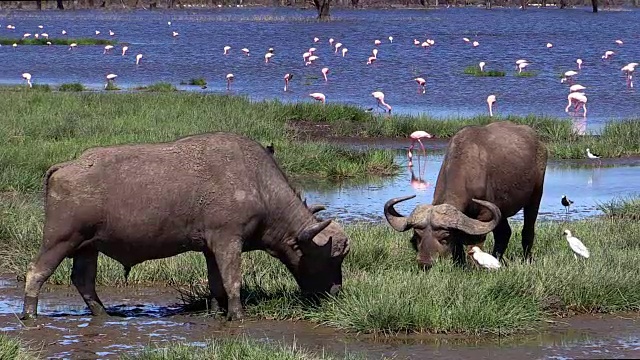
<point x="323" y="9"/>
<point x="39" y="4"/>
<point x="594" y="5"/>
<point x="59" y="5"/>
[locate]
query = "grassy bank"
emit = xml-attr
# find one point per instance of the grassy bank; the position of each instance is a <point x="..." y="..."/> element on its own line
<point x="13" y="349"/>
<point x="43" y="41"/>
<point x="384" y="291"/>
<point x="231" y="349"/>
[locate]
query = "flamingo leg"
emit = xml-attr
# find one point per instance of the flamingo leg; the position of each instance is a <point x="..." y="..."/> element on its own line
<point x="424" y="152"/>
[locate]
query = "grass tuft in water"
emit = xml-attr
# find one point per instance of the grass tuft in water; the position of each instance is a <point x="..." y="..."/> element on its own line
<point x="13" y="349"/>
<point x="158" y="87"/>
<point x="526" y="74"/>
<point x="195" y="81"/>
<point x="622" y="208"/>
<point x="232" y="349"/>
<point x="475" y="71"/>
<point x="72" y="87"/>
<point x="43" y="41"/>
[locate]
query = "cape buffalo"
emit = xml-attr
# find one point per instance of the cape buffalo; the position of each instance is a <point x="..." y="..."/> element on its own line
<point x="488" y="174"/>
<point x="220" y="194"/>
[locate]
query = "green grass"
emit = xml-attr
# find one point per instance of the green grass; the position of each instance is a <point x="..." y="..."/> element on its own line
<point x="158" y="87"/>
<point x="43" y="41"/>
<point x="384" y="291"/>
<point x="195" y="81"/>
<point x="13" y="349"/>
<point x="623" y="208"/>
<point x="475" y="71"/>
<point x="232" y="349"/>
<point x="72" y="87"/>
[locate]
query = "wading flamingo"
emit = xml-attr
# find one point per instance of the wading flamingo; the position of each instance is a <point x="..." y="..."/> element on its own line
<point x="619" y="42"/>
<point x="391" y="39"/>
<point x="577" y="99"/>
<point x="107" y="49"/>
<point x="522" y="66"/>
<point x="628" y="73"/>
<point x="579" y="62"/>
<point x="138" y="57"/>
<point x="267" y="57"/>
<point x="576" y="87"/>
<point x="476" y="44"/>
<point x="230" y="78"/>
<point x="325" y="71"/>
<point x="568" y="76"/>
<point x="124" y="50"/>
<point x="608" y="54"/>
<point x="110" y="79"/>
<point x="225" y="50"/>
<point x="416" y="136"/>
<point x="549" y="45"/>
<point x="422" y="84"/>
<point x="371" y="60"/>
<point x="344" y="51"/>
<point x="481" y="64"/>
<point x="491" y="99"/>
<point x="311" y="59"/>
<point x="73" y="46"/>
<point x="379" y="95"/>
<point x="338" y="46"/>
<point x="319" y="97"/>
<point x="245" y="51"/>
<point x="520" y="61"/>
<point x="27" y="77"/>
<point x="287" y="78"/>
<point x="175" y="34"/>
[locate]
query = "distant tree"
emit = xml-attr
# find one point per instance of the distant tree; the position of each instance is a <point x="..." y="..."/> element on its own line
<point x="322" y="6"/>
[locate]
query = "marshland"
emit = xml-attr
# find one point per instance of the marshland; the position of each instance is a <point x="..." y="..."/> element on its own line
<point x="344" y="156"/>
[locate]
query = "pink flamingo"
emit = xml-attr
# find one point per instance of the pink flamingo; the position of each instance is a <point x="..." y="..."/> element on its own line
<point x="226" y="50"/>
<point x="422" y="84"/>
<point x="267" y="57"/>
<point x="379" y="95"/>
<point x="325" y="71"/>
<point x="319" y="97"/>
<point x="287" y="77"/>
<point x="245" y="51"/>
<point x="371" y="60"/>
<point x="579" y="62"/>
<point x="580" y="99"/>
<point x="417" y="136"/>
<point x="491" y="99"/>
<point x="230" y="78"/>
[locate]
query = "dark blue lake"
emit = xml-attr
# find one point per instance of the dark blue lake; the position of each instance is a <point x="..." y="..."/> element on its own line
<point x="504" y="35"/>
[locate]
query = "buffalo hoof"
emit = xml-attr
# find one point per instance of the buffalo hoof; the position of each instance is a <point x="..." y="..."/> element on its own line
<point x="235" y="315"/>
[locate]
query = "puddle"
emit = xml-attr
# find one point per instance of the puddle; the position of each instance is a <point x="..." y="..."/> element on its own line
<point x="69" y="334"/>
<point x="586" y="183"/>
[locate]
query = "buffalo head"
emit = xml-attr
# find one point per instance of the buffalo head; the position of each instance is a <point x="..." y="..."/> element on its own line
<point x="438" y="228"/>
<point x="320" y="249"/>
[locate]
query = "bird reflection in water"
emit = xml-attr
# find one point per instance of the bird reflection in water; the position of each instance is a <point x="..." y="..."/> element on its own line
<point x="419" y="183"/>
<point x="579" y="126"/>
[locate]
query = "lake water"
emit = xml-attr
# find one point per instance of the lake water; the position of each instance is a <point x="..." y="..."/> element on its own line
<point x="505" y="35"/>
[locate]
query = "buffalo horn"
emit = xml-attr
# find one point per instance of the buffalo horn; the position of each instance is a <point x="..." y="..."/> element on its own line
<point x="476" y="227"/>
<point x="397" y="221"/>
<point x="311" y="231"/>
<point x="316" y="207"/>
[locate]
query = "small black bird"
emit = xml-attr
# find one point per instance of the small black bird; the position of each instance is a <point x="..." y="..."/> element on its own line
<point x="566" y="203"/>
<point x="270" y="149"/>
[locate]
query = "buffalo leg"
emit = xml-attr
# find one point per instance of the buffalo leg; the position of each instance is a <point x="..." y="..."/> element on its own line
<point x="528" y="228"/>
<point x="83" y="276"/>
<point x="42" y="267"/>
<point x="501" y="236"/>
<point x="229" y="258"/>
<point x="216" y="287"/>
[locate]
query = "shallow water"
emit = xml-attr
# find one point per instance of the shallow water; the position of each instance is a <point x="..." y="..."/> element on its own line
<point x="505" y="35"/>
<point x="69" y="332"/>
<point x="588" y="183"/>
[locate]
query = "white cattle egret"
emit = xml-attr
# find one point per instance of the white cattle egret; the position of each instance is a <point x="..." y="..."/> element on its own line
<point x="379" y="95"/>
<point x="576" y="245"/>
<point x="491" y="99"/>
<point x="27" y="77"/>
<point x="484" y="259"/>
<point x="318" y="96"/>
<point x="138" y="57"/>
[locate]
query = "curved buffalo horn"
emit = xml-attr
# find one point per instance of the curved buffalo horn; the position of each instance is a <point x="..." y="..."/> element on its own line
<point x="476" y="227"/>
<point x="397" y="221"/>
<point x="311" y="231"/>
<point x="316" y="207"/>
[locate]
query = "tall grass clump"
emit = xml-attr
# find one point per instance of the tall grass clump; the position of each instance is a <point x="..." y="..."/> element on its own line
<point x="622" y="208"/>
<point x="526" y="74"/>
<point x="232" y="349"/>
<point x="73" y="87"/>
<point x="12" y="349"/>
<point x="384" y="291"/>
<point x="195" y="81"/>
<point x="158" y="87"/>
<point x="475" y="71"/>
<point x="43" y="41"/>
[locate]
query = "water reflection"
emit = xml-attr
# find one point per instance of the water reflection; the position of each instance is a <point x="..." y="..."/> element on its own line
<point x="579" y="126"/>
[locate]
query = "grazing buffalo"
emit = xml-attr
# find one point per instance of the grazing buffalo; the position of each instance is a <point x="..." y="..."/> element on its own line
<point x="488" y="174"/>
<point x="220" y="194"/>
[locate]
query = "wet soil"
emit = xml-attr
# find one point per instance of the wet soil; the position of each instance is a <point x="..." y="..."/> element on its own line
<point x="65" y="329"/>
